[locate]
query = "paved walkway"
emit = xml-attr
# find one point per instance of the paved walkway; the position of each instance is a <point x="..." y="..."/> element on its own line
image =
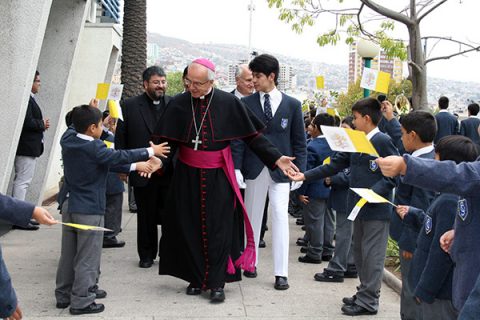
<point x="135" y="293"/>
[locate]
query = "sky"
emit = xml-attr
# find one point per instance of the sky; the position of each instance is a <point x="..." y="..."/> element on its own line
<point x="227" y="21"/>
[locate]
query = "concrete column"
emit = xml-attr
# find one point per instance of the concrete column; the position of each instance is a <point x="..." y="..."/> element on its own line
<point x="57" y="56"/>
<point x="22" y="28"/>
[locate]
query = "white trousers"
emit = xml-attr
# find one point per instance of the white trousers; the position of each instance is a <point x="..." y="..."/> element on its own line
<point x="278" y="193"/>
<point x="24" y="170"/>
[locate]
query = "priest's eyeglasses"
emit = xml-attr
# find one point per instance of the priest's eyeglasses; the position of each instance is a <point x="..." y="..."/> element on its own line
<point x="189" y="82"/>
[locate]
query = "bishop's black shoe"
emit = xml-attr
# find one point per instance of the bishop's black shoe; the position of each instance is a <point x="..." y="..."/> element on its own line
<point x="357" y="310"/>
<point x="261" y="243"/>
<point x="250" y="274"/>
<point x="217" y="295"/>
<point x="145" y="263"/>
<point x="281" y="283"/>
<point x="91" y="308"/>
<point x="193" y="290"/>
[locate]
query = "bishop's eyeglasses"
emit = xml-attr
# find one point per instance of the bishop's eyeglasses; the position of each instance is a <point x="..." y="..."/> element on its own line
<point x="189" y="82"/>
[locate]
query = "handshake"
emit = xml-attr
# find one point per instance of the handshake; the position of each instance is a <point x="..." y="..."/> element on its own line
<point x="146" y="168"/>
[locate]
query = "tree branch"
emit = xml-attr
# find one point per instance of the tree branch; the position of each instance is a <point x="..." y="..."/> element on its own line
<point x="430" y="10"/>
<point x="416" y="66"/>
<point x="452" y="55"/>
<point x="389" y="13"/>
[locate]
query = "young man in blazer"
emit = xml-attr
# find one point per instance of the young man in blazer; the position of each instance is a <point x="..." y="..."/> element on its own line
<point x="283" y="118"/>
<point x="447" y="123"/>
<point x="140" y="116"/>
<point x="30" y="147"/>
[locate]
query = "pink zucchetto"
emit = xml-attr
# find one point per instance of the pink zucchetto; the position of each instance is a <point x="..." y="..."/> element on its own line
<point x="205" y="62"/>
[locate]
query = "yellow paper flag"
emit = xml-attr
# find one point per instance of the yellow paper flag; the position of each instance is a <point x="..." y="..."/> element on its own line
<point x="320" y="80"/>
<point x="102" y="91"/>
<point x="370" y="196"/>
<point x="353" y="215"/>
<point x="383" y="80"/>
<point x="327" y="160"/>
<point x="109" y="144"/>
<point x="84" y="227"/>
<point x="361" y="142"/>
<point x="333" y="112"/>
<point x="114" y="109"/>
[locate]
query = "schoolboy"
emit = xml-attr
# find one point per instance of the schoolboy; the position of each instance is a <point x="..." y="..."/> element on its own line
<point x="86" y="161"/>
<point x="418" y="131"/>
<point x="314" y="195"/>
<point x="370" y="228"/>
<point x="431" y="271"/>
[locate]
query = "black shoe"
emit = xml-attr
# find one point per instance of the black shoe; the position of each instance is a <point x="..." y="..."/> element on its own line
<point x="92" y="308"/>
<point x="34" y="222"/>
<point x="308" y="259"/>
<point x="145" y="263"/>
<point x="217" y="295"/>
<point x="100" y="294"/>
<point x="62" y="305"/>
<point x="113" y="243"/>
<point x="281" y="283"/>
<point x="300" y="222"/>
<point x="357" y="310"/>
<point x="303" y="249"/>
<point x="349" y="301"/>
<point x="133" y="210"/>
<point x="262" y="244"/>
<point x="250" y="274"/>
<point x="327" y="257"/>
<point x="302" y="242"/>
<point x="350" y="274"/>
<point x="193" y="290"/>
<point x="28" y="227"/>
<point x="304" y="228"/>
<point x="326" y="276"/>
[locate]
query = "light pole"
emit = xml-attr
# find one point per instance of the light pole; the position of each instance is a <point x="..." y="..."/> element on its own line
<point x="367" y="50"/>
<point x="251" y="8"/>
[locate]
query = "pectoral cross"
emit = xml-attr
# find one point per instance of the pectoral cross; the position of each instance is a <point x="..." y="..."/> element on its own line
<point x="196" y="141"/>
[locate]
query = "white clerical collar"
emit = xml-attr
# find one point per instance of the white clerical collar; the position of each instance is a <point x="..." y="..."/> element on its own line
<point x="209" y="90"/>
<point x="424" y="150"/>
<point x="321" y="136"/>
<point x="372" y="133"/>
<point x="443" y="110"/>
<point x="85" y="137"/>
<point x="156" y="102"/>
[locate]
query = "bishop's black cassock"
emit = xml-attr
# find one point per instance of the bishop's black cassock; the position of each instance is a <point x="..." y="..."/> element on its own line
<point x="200" y="231"/>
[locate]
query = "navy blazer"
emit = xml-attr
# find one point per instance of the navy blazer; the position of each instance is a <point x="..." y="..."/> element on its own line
<point x="463" y="180"/>
<point x="393" y="129"/>
<point x="114" y="183"/>
<point x="86" y="165"/>
<point x="431" y="271"/>
<point x="447" y="125"/>
<point x="469" y="129"/>
<point x="18" y="213"/>
<point x="31" y="138"/>
<point x="286" y="131"/>
<point x="317" y="151"/>
<point x="339" y="190"/>
<point x="364" y="173"/>
<point x="408" y="195"/>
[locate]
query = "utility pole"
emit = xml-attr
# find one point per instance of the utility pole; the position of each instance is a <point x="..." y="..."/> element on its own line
<point x="251" y="8"/>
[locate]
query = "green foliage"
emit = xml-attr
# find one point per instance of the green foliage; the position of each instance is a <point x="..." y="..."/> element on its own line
<point x="175" y="83"/>
<point x="345" y="100"/>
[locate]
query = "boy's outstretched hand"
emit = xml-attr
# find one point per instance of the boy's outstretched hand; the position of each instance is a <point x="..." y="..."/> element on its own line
<point x="296" y="176"/>
<point x="446" y="240"/>
<point x="160" y="150"/>
<point x="392" y="166"/>
<point x="402" y="211"/>
<point x="43" y="216"/>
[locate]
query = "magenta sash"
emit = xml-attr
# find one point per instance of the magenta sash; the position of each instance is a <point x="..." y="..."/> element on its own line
<point x="223" y="159"/>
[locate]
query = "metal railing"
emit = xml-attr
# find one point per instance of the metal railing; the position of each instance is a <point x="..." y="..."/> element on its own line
<point x="111" y="9"/>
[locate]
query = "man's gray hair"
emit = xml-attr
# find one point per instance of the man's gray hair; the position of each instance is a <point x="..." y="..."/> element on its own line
<point x="239" y="69"/>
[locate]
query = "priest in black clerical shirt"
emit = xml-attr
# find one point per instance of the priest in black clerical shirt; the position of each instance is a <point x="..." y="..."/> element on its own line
<point x="140" y="115"/>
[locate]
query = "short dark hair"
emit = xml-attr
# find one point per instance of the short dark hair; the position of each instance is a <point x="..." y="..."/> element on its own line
<point x="312" y="113"/>
<point x="369" y="107"/>
<point x="84" y="116"/>
<point x="36" y="73"/>
<point x="337" y="121"/>
<point x="349" y="120"/>
<point x="307" y="122"/>
<point x="473" y="108"/>
<point x="323" y="119"/>
<point x="153" y="71"/>
<point x="422" y="122"/>
<point x="443" y="102"/>
<point x="265" y="64"/>
<point x="456" y="148"/>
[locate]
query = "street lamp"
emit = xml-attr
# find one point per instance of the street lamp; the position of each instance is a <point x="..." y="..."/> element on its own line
<point x="367" y="50"/>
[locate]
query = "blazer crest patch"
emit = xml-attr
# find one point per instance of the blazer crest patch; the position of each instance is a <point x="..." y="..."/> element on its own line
<point x="346" y="171"/>
<point x="462" y="209"/>
<point x="284" y="123"/>
<point x="373" y="166"/>
<point x="428" y="224"/>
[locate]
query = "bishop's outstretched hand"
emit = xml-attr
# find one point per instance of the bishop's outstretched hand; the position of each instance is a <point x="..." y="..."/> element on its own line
<point x="286" y="164"/>
<point x="160" y="150"/>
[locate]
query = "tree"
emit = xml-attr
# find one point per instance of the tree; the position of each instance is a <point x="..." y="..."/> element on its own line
<point x="134" y="46"/>
<point x="345" y="100"/>
<point x="175" y="83"/>
<point x="353" y="22"/>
